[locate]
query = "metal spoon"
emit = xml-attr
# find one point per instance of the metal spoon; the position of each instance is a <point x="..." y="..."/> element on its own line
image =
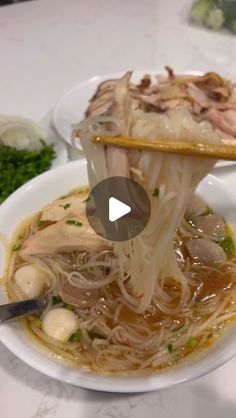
<point x="15" y="310"/>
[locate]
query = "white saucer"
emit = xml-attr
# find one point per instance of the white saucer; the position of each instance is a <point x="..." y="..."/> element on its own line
<point x="71" y="106"/>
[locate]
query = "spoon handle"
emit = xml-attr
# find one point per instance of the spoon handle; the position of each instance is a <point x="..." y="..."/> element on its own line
<point x="24" y="307"/>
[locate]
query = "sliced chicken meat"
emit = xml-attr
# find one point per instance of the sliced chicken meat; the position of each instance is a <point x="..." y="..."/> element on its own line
<point x="63" y="236"/>
<point x="102" y="99"/>
<point x="63" y="208"/>
<point x="225" y="121"/>
<point x="208" y="97"/>
<point x="205" y="251"/>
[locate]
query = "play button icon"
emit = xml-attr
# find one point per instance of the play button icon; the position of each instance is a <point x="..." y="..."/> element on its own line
<point x="118" y="208"/>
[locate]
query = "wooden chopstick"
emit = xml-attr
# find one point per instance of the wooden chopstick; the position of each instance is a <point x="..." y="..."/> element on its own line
<point x="217" y="152"/>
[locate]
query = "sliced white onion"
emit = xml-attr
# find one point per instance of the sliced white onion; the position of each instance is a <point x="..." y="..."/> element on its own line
<point x="21" y="133"/>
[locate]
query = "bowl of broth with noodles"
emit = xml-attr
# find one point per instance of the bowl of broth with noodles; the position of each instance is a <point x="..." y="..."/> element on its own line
<point x="92" y="356"/>
<point x="137" y="315"/>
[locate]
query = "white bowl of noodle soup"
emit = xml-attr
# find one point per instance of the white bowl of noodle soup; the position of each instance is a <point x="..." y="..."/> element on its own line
<point x="31" y="198"/>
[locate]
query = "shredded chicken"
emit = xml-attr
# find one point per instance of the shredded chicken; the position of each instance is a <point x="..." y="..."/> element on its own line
<point x="65" y="235"/>
<point x="208" y="97"/>
<point x="63" y="208"/>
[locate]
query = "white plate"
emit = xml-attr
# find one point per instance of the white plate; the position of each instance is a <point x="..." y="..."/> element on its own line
<point x="71" y="106"/>
<point x="44" y="189"/>
<point x="53" y="138"/>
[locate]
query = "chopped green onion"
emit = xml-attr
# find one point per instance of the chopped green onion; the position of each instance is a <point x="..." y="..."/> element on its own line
<point x="192" y="342"/>
<point x="156" y="192"/>
<point x="41" y="224"/>
<point x="75" y="338"/>
<point x="178" y="328"/>
<point x="228" y="245"/>
<point x="66" y="206"/>
<point x="56" y="300"/>
<point x="19" y="166"/>
<point x="69" y="306"/>
<point x="170" y="348"/>
<point x="73" y="222"/>
<point x="16" y="247"/>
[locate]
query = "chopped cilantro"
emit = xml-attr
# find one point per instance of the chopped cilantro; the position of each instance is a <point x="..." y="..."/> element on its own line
<point x="56" y="300"/>
<point x="19" y="166"/>
<point x="156" y="192"/>
<point x="73" y="222"/>
<point x="75" y="338"/>
<point x="170" y="348"/>
<point x="66" y="206"/>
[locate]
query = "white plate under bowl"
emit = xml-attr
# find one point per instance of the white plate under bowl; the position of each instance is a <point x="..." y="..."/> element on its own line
<point x="71" y="106"/>
<point x="42" y="190"/>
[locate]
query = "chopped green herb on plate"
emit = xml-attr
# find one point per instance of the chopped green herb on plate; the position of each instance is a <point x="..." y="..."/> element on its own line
<point x="19" y="166"/>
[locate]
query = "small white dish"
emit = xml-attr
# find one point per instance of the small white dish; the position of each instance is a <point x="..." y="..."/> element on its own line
<point x="42" y="190"/>
<point x="71" y="107"/>
<point x="54" y="139"/>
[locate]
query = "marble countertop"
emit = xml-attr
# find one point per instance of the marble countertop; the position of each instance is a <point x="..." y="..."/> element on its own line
<point x="47" y="46"/>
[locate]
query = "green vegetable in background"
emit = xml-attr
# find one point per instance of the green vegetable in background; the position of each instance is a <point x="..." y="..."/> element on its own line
<point x="215" y="14"/>
<point x="201" y="9"/>
<point x="19" y="166"/>
<point x="215" y="18"/>
<point x="229" y="9"/>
